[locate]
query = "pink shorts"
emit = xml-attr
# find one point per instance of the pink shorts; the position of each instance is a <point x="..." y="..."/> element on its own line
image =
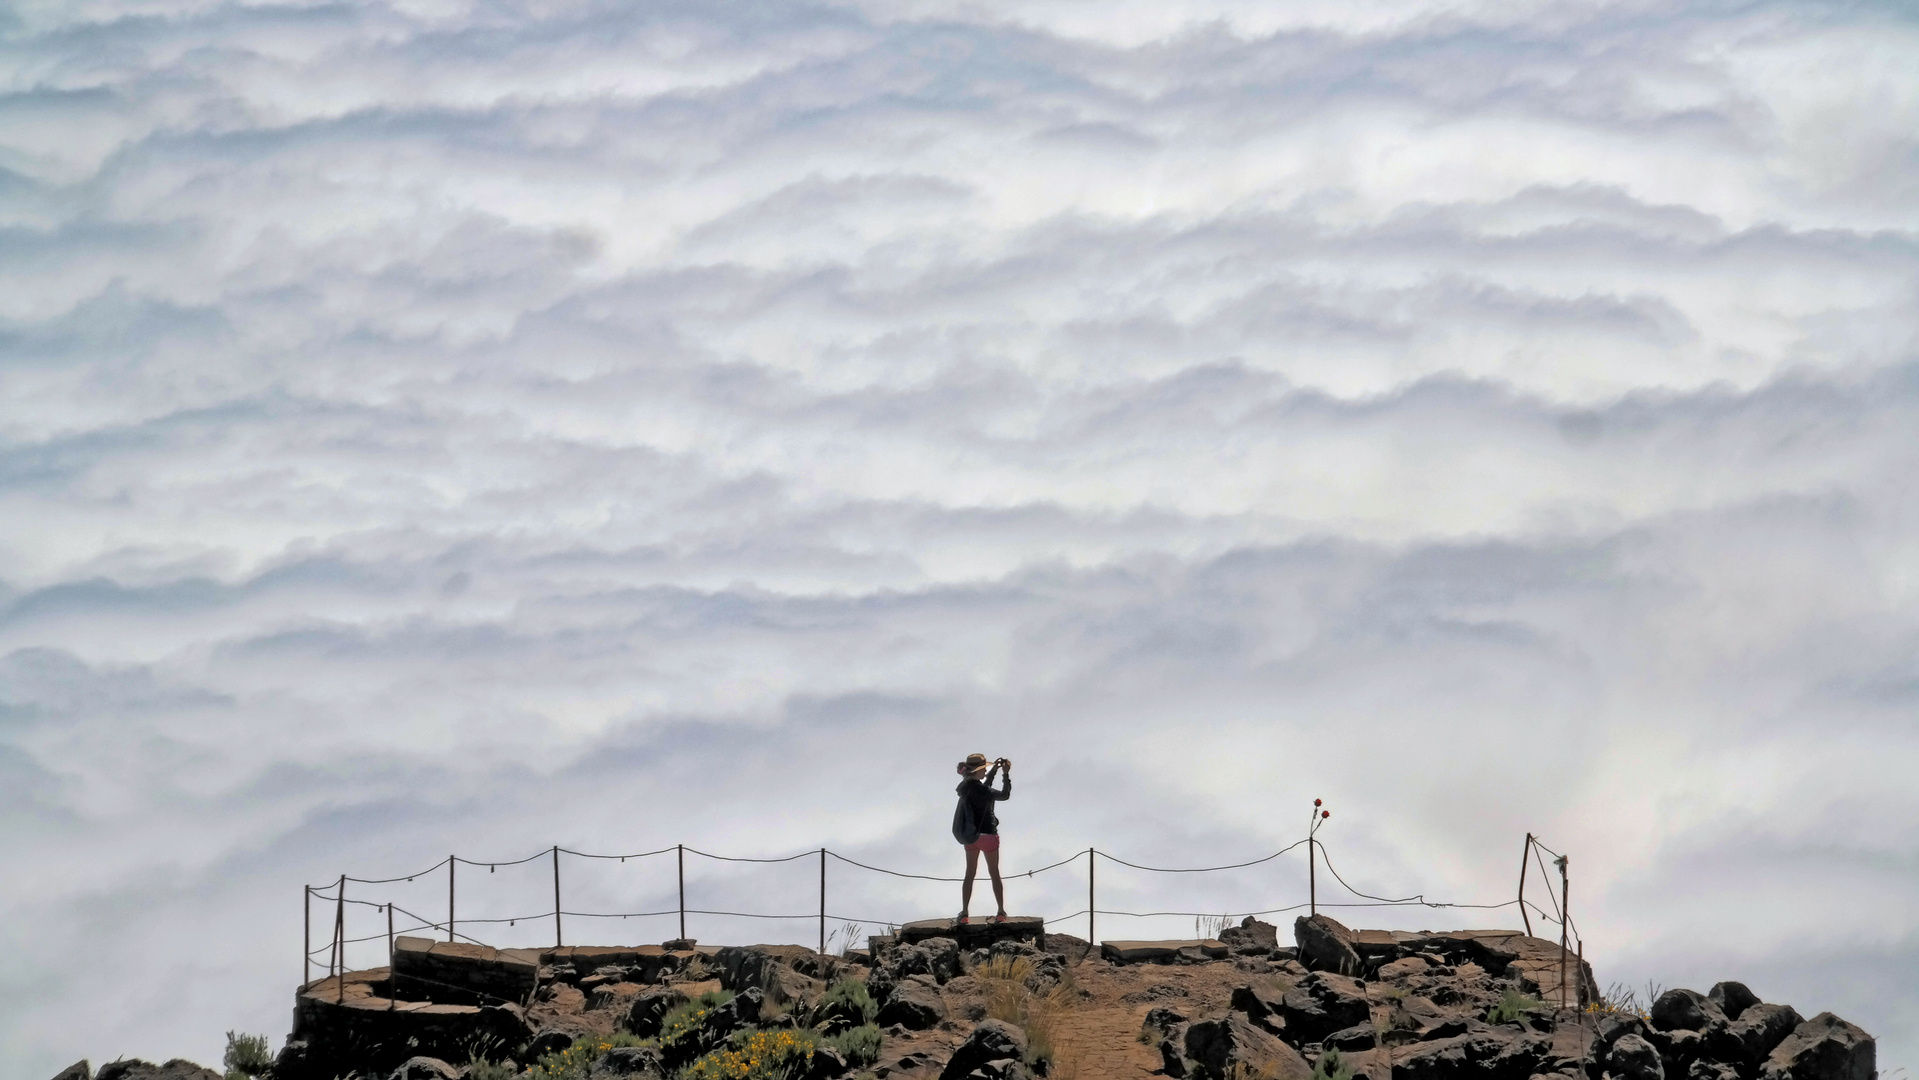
<point x="987" y="842"/>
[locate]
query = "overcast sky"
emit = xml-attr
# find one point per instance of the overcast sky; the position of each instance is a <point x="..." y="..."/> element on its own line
<point x="456" y="425"/>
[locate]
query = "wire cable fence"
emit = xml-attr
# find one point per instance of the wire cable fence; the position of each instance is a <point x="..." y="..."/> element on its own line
<point x="331" y="955"/>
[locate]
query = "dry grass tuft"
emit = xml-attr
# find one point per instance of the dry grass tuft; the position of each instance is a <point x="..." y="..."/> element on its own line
<point x="1006" y="981"/>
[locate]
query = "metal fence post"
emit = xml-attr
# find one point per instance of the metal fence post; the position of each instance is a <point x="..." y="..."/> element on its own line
<point x="1091" y="942"/>
<point x="1524" y="853"/>
<point x="339" y="940"/>
<point x="1312" y="876"/>
<point x="681" y="848"/>
<point x="822" y="901"/>
<point x="557" y="942"/>
<point x="389" y="958"/>
<point x="1565" y="918"/>
<point x="306" y="936"/>
<point x="451" y="860"/>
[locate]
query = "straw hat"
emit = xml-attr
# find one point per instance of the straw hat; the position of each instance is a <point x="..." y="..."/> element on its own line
<point x="973" y="763"/>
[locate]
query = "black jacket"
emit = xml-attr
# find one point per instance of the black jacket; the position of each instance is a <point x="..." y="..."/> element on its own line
<point x="981" y="798"/>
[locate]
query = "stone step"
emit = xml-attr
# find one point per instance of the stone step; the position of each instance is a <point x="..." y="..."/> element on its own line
<point x="1144" y="952"/>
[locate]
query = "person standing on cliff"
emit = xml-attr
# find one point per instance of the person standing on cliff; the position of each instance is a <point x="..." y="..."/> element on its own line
<point x="976" y="826"/>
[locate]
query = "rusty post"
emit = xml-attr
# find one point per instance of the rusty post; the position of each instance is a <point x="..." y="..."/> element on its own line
<point x="557" y="942"/>
<point x="681" y="848"/>
<point x="822" y="901"/>
<point x="306" y="936"/>
<point x="389" y="958"/>
<point x="339" y="940"/>
<point x="1092" y="943"/>
<point x="1581" y="972"/>
<point x="1565" y="918"/>
<point x="1524" y="852"/>
<point x="450" y="861"/>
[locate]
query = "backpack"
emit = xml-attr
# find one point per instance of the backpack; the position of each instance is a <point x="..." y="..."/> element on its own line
<point x="965" y="828"/>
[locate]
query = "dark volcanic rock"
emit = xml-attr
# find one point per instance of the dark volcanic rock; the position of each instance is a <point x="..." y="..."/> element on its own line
<point x="1822" y="1048"/>
<point x="1325" y="945"/>
<point x="1261" y="1006"/>
<point x="1251" y="937"/>
<point x="1760" y="1029"/>
<point x="913" y="1004"/>
<point x="1488" y="1053"/>
<point x="1733" y="998"/>
<point x="425" y="1068"/>
<point x="1357" y="1037"/>
<point x="825" y="1064"/>
<point x="740" y="1012"/>
<point x="1230" y="1046"/>
<point x="547" y="1042"/>
<point x="995" y="1047"/>
<point x="79" y="1070"/>
<point x="1633" y="1058"/>
<point x="1712" y="1070"/>
<point x="1685" y="1010"/>
<point x="135" y="1069"/>
<point x="645" y="1014"/>
<point x="638" y="1061"/>
<point x="1321" y="1004"/>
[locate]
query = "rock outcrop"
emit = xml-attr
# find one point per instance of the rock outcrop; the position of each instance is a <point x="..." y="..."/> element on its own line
<point x="1379" y="1005"/>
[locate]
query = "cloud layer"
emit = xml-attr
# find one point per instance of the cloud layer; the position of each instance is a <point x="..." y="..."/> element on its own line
<point x="471" y="427"/>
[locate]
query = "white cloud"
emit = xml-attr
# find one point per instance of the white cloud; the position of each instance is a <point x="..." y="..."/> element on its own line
<point x="470" y="427"/>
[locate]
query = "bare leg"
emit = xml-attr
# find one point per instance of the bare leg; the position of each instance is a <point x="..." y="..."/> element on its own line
<point x="999" y="890"/>
<point x="972" y="869"/>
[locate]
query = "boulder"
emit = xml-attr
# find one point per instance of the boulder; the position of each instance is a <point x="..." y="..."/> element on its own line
<point x="1262" y="1008"/>
<point x="914" y="1004"/>
<point x="1172" y="1060"/>
<point x="1822" y="1048"/>
<point x="1685" y="1010"/>
<point x="995" y="1048"/>
<point x="1484" y="1053"/>
<point x="937" y="957"/>
<point x="768" y="967"/>
<point x="742" y="1010"/>
<point x="549" y="1042"/>
<point x="1250" y="937"/>
<point x="825" y="1064"/>
<point x="1760" y="1029"/>
<point x="135" y="1069"/>
<point x="1164" y="1018"/>
<point x="1633" y="1058"/>
<point x="1355" y="1038"/>
<point x="425" y="1068"/>
<point x="1682" y="1048"/>
<point x="1230" y="1046"/>
<point x="1325" y="945"/>
<point x="79" y="1070"/>
<point x="649" y="1009"/>
<point x="636" y="1061"/>
<point x="1321" y="1004"/>
<point x="1733" y="998"/>
<point x="1712" y="1070"/>
<point x="1404" y="968"/>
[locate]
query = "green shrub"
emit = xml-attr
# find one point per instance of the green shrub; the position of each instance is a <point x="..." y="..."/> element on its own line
<point x="576" y="1061"/>
<point x="1512" y="1006"/>
<point x="757" y="1055"/>
<point x="847" y="1004"/>
<point x="482" y="1069"/>
<point x="1331" y="1066"/>
<point x="246" y="1054"/>
<point x="861" y="1045"/>
<point x="683" y="1034"/>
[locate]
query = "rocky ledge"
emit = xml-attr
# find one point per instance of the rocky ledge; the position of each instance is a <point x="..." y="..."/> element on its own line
<point x="1015" y="1002"/>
